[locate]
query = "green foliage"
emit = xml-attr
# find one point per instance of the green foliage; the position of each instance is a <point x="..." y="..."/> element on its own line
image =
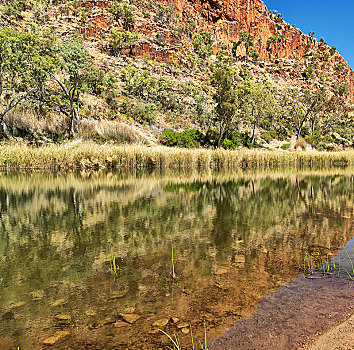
<point x="144" y="113"/>
<point x="333" y="50"/>
<point x="97" y="81"/>
<point x="308" y="71"/>
<point x="236" y="139"/>
<point x="164" y="14"/>
<point x="190" y="138"/>
<point x="191" y="25"/>
<point x="203" y="44"/>
<point x="247" y="40"/>
<point x="121" y="38"/>
<point x="73" y="57"/>
<point x="25" y="61"/>
<point x="254" y="54"/>
<point x="339" y="89"/>
<point x="311" y="34"/>
<point x="124" y="12"/>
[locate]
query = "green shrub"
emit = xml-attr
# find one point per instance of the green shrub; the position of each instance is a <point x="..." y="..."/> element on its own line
<point x="143" y="113"/>
<point x="228" y="144"/>
<point x="189" y="138"/>
<point x="241" y="139"/>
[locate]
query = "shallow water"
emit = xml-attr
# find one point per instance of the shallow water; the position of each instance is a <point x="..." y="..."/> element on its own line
<point x="236" y="235"/>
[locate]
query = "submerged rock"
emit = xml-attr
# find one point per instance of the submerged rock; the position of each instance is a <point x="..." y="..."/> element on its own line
<point x="185" y="330"/>
<point x="18" y="304"/>
<point x="120" y="324"/>
<point x="130" y="318"/>
<point x="58" y="336"/>
<point x="119" y="294"/>
<point x="59" y="302"/>
<point x="63" y="318"/>
<point x="174" y="319"/>
<point x="161" y="323"/>
<point x="182" y="325"/>
<point x="37" y="294"/>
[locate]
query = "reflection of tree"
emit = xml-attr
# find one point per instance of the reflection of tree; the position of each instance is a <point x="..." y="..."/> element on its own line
<point x="56" y="233"/>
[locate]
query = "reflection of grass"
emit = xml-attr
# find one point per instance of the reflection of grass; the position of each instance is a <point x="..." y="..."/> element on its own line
<point x="114" y="268"/>
<point x="177" y="345"/>
<point x="326" y="266"/>
<point x="173" y="265"/>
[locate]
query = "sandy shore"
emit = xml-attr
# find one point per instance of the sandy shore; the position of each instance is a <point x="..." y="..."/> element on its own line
<point x="300" y="311"/>
<point x="340" y="337"/>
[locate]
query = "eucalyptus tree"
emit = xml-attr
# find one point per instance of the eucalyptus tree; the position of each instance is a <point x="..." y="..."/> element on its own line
<point x="226" y="100"/>
<point x="257" y="102"/>
<point x="72" y="65"/>
<point x="26" y="61"/>
<point x="303" y="105"/>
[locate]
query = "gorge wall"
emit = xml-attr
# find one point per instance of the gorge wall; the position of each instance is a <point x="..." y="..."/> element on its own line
<point x="225" y="20"/>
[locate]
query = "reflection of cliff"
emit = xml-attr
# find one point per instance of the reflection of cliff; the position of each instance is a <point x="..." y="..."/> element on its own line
<point x="236" y="237"/>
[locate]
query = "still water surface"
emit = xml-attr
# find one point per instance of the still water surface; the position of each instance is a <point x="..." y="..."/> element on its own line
<point x="236" y="236"/>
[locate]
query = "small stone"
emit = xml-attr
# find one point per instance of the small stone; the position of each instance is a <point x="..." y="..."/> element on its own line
<point x="120" y="324"/>
<point x="119" y="294"/>
<point x="108" y="320"/>
<point x="220" y="272"/>
<point x="185" y="330"/>
<point x="18" y="304"/>
<point x="59" y="302"/>
<point x="187" y="291"/>
<point x="90" y="313"/>
<point x="63" y="318"/>
<point x="161" y="323"/>
<point x="174" y="319"/>
<point x="58" y="336"/>
<point x="37" y="294"/>
<point x="183" y="325"/>
<point x="130" y="318"/>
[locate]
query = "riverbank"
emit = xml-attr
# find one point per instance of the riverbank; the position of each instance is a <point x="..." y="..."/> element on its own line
<point x="79" y="154"/>
<point x="339" y="337"/>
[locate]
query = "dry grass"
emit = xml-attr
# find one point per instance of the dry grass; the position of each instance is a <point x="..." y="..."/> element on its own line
<point x="82" y="154"/>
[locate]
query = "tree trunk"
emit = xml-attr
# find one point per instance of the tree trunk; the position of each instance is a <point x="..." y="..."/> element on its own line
<point x="253" y="133"/>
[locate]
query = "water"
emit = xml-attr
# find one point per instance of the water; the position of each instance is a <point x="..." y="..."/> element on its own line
<point x="236" y="235"/>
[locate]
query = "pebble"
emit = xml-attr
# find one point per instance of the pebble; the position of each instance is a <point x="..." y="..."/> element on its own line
<point x="119" y="294"/>
<point x="58" y="336"/>
<point x="108" y="320"/>
<point x="18" y="304"/>
<point x="37" y="294"/>
<point x="185" y="330"/>
<point x="63" y="318"/>
<point x="90" y="313"/>
<point x="183" y="325"/>
<point x="59" y="302"/>
<point x="120" y="324"/>
<point x="130" y="318"/>
<point x="161" y="323"/>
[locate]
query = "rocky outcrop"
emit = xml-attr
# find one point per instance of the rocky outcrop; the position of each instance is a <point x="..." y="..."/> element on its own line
<point x="225" y="19"/>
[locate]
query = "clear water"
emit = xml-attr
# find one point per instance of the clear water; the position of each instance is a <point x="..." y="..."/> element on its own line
<point x="236" y="235"/>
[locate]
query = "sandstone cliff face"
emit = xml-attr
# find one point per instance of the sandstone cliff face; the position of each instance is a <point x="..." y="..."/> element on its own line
<point x="225" y="19"/>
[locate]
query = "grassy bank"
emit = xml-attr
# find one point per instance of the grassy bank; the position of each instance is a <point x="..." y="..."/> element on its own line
<point x="91" y="155"/>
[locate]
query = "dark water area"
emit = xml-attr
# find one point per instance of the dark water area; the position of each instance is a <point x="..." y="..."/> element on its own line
<point x="235" y="235"/>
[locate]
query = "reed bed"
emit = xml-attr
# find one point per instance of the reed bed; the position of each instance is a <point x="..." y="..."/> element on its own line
<point x="91" y="155"/>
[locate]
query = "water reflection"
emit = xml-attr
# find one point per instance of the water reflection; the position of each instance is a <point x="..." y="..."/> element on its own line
<point x="237" y="236"/>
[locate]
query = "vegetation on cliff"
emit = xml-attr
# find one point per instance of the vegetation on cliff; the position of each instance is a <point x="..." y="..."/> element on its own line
<point x="57" y="82"/>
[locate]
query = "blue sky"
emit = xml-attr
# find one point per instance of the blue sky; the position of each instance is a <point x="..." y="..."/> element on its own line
<point x="332" y="20"/>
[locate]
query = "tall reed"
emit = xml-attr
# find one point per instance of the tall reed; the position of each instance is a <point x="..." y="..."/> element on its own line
<point x="80" y="154"/>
